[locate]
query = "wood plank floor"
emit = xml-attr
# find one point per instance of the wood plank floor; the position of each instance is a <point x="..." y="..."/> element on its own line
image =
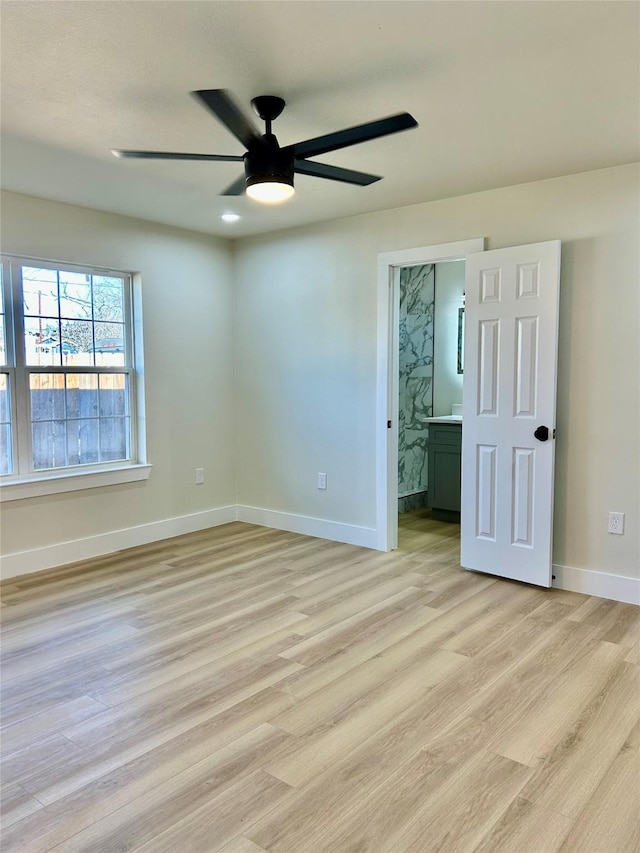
<point x="241" y="689"/>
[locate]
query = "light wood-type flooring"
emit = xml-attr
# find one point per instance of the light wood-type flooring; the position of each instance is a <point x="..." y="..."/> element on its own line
<point x="242" y="689"/>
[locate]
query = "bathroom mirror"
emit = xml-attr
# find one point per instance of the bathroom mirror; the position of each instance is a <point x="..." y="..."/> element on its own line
<point x="460" y="340"/>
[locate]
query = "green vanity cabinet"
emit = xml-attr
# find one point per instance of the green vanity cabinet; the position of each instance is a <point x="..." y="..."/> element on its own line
<point x="444" y="452"/>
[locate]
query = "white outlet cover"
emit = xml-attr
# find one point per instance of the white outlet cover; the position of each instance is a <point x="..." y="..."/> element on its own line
<point x="616" y="523"/>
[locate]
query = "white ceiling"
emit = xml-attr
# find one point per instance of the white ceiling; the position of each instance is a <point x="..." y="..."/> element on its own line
<point x="504" y="93"/>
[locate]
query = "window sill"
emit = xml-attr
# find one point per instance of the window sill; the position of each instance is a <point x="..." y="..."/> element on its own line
<point x="53" y="484"/>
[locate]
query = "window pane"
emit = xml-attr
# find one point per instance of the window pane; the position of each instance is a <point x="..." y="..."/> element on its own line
<point x="3" y="337"/>
<point x="83" y="416"/>
<point x="82" y="395"/>
<point x="42" y="341"/>
<point x="114" y="443"/>
<point x="47" y="396"/>
<point x="73" y="318"/>
<point x="6" y="465"/>
<point x="82" y="442"/>
<point x="40" y="292"/>
<point x="75" y="300"/>
<point x="77" y="342"/>
<point x="114" y="397"/>
<point x="78" y="278"/>
<point x="49" y="444"/>
<point x="108" y="298"/>
<point x="109" y="344"/>
<point x="5" y="407"/>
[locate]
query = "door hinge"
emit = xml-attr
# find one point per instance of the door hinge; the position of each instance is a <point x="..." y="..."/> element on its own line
<point x="388" y="424"/>
<point x="554" y="434"/>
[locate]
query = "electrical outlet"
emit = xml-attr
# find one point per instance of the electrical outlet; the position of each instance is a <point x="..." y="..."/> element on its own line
<point x="199" y="476"/>
<point x="322" y="481"/>
<point x="616" y="523"/>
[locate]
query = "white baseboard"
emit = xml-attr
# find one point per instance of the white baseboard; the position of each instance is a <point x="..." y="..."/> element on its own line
<point x="601" y="584"/>
<point x="366" y="537"/>
<point x="51" y="556"/>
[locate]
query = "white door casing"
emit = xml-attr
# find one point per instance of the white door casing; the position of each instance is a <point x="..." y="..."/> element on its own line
<point x="389" y="266"/>
<point x="510" y="372"/>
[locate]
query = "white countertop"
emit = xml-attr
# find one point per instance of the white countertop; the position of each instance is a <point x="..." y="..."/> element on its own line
<point x="443" y="419"/>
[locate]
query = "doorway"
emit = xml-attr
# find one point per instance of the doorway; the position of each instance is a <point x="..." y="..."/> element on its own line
<point x="390" y="266"/>
<point x="430" y="386"/>
<point x="509" y="394"/>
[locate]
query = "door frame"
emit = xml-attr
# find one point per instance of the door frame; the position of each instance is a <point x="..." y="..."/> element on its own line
<point x="387" y="379"/>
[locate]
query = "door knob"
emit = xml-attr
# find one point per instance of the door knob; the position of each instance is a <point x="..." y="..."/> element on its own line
<point x="542" y="433"/>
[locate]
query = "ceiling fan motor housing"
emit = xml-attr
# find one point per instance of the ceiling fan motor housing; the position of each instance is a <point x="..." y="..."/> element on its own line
<point x="267" y="161"/>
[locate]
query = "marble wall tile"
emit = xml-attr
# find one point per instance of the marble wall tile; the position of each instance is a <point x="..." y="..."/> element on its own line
<point x="417" y="287"/>
<point x="417" y="301"/>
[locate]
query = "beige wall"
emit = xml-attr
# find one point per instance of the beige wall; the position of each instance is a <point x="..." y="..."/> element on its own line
<point x="306" y="353"/>
<point x="303" y="308"/>
<point x="187" y="310"/>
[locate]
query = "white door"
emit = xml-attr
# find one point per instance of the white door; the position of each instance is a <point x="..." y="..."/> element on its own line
<point x="508" y="447"/>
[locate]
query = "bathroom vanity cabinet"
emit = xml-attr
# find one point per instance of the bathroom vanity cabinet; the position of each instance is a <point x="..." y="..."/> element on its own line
<point x="444" y="454"/>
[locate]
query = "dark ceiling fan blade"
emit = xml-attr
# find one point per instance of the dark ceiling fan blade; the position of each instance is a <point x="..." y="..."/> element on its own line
<point x="237" y="187"/>
<point x="174" y="155"/>
<point x="223" y="108"/>
<point x="334" y="173"/>
<point x="354" y="135"/>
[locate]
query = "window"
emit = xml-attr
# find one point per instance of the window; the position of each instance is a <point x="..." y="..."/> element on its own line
<point x="67" y="372"/>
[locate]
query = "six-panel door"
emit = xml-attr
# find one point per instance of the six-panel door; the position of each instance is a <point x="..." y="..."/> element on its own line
<point x="511" y="319"/>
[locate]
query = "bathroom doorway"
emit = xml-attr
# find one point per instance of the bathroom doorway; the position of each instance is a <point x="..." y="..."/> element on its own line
<point x="510" y="384"/>
<point x="431" y="307"/>
<point x="420" y="395"/>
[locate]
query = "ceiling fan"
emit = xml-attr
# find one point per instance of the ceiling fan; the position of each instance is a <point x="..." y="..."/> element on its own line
<point x="269" y="169"/>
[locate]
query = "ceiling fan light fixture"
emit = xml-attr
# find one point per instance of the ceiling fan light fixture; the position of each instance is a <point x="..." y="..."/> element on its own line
<point x="269" y="171"/>
<point x="270" y="189"/>
<point x="268" y="168"/>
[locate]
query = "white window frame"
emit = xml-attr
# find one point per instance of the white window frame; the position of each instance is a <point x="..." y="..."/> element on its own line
<point x="24" y="481"/>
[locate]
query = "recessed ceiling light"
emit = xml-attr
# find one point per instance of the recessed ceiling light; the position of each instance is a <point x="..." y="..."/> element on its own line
<point x="230" y="217"/>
